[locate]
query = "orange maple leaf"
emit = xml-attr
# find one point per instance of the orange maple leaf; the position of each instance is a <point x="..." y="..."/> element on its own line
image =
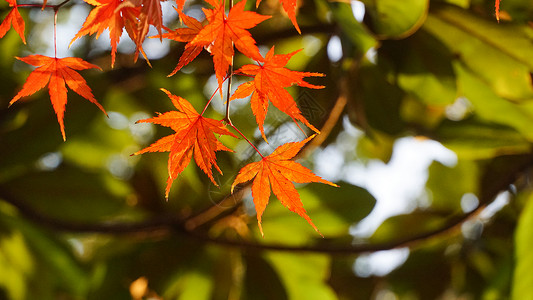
<point x="278" y="171"/>
<point x="112" y="15"/>
<point x="497" y="6"/>
<point x="195" y="136"/>
<point x="150" y="14"/>
<point x="56" y="72"/>
<point x="185" y="34"/>
<point x="270" y="80"/>
<point x="222" y="32"/>
<point x="13" y="18"/>
<point x="180" y="4"/>
<point x="290" y="8"/>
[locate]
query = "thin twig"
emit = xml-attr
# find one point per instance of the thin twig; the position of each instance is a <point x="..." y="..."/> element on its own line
<point x="247" y="140"/>
<point x="227" y="118"/>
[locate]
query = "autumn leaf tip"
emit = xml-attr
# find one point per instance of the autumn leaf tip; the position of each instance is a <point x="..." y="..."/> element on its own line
<point x="311" y="136"/>
<point x="261" y="229"/>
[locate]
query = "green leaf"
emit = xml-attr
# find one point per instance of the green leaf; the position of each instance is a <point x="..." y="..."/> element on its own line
<point x="262" y="280"/>
<point x="376" y="145"/>
<point x="69" y="193"/>
<point x="446" y="190"/>
<point x="34" y="131"/>
<point x="474" y="139"/>
<point x="17" y="265"/>
<point x="490" y="107"/>
<point x="406" y="226"/>
<point x="380" y="99"/>
<point x="424" y="68"/>
<point x="513" y="40"/>
<point x="196" y="285"/>
<point x="523" y="277"/>
<point x="304" y="276"/>
<point x="58" y="269"/>
<point x="431" y="266"/>
<point x="500" y="55"/>
<point x="397" y="19"/>
<point x="360" y="39"/>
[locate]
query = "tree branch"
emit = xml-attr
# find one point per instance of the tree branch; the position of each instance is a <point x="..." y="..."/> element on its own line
<point x="498" y="175"/>
<point x="167" y="225"/>
<point x="116" y="228"/>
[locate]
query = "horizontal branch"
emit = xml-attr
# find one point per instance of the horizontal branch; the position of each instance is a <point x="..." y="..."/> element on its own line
<point x="115" y="228"/>
<point x="454" y="224"/>
<point x="169" y="225"/>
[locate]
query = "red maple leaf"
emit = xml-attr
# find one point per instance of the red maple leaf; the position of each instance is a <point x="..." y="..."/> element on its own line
<point x="278" y="171"/>
<point x="290" y="8"/>
<point x="270" y="80"/>
<point x="222" y="32"/>
<point x="112" y="15"/>
<point x="13" y="18"/>
<point x="195" y="136"/>
<point x="56" y="72"/>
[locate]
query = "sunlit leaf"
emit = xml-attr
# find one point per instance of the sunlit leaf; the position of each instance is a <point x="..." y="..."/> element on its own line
<point x="397" y="19"/>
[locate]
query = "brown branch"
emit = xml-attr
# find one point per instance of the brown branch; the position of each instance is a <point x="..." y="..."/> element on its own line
<point x="498" y="175"/>
<point x="159" y="223"/>
<point x="166" y="225"/>
<point x="453" y="225"/>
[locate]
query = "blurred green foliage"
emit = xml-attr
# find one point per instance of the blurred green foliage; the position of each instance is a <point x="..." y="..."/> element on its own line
<point x="83" y="219"/>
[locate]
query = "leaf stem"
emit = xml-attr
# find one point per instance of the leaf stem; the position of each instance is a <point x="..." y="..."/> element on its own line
<point x="208" y="102"/>
<point x="241" y="134"/>
<point x="56" y="9"/>
<point x="228" y="92"/>
<point x="57" y="6"/>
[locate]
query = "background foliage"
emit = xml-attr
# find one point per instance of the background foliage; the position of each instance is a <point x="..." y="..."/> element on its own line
<point x="83" y="220"/>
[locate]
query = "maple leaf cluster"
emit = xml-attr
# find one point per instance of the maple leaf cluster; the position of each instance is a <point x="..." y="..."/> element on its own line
<point x="195" y="135"/>
<point x="134" y="16"/>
